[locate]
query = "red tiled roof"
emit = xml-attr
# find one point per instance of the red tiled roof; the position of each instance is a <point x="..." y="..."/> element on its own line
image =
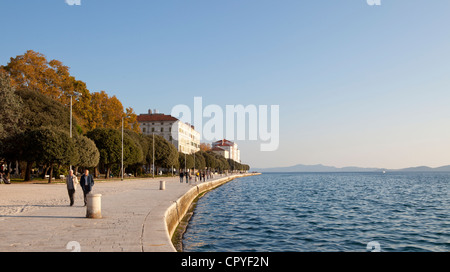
<point x="223" y="142"/>
<point x="217" y="149"/>
<point x="155" y="118"/>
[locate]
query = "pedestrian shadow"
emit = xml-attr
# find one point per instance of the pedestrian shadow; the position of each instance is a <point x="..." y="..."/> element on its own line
<point x="44" y="216"/>
<point x="22" y="209"/>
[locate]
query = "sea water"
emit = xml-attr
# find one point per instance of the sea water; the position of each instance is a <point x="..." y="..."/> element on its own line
<point x="324" y="212"/>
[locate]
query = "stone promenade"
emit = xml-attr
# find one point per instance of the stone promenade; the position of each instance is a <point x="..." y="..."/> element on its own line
<point x="37" y="217"/>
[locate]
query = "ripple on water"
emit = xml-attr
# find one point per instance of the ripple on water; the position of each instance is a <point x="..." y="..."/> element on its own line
<point x="324" y="212"/>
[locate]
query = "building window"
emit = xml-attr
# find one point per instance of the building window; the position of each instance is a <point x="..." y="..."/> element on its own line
<point x="153" y="129"/>
<point x="143" y="130"/>
<point x="162" y="129"/>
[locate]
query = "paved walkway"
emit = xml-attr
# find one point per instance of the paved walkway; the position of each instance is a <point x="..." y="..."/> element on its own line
<point x="132" y="210"/>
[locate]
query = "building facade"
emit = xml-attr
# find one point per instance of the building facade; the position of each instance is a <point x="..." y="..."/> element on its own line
<point x="227" y="149"/>
<point x="182" y="135"/>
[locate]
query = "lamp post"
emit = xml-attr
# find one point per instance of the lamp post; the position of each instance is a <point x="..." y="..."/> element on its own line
<point x="190" y="147"/>
<point x="153" y="155"/>
<point x="71" y="95"/>
<point x="122" y="151"/>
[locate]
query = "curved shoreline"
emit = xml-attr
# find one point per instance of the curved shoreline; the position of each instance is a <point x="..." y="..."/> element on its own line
<point x="137" y="215"/>
<point x="175" y="214"/>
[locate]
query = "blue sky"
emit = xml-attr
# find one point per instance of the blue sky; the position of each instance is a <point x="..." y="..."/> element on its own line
<point x="357" y="85"/>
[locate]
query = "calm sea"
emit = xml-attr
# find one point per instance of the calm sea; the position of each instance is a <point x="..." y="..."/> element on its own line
<point x="324" y="212"/>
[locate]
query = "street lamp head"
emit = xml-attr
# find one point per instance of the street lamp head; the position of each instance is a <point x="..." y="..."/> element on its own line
<point x="76" y="94"/>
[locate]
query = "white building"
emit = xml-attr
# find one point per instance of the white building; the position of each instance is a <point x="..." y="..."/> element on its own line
<point x="227" y="149"/>
<point x="186" y="139"/>
<point x="222" y="152"/>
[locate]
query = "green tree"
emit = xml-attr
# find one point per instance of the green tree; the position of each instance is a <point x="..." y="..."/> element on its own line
<point x="200" y="162"/>
<point x="11" y="107"/>
<point x="50" y="146"/>
<point x="142" y="143"/>
<point x="87" y="152"/>
<point x="133" y="153"/>
<point x="37" y="110"/>
<point x="185" y="158"/>
<point x="109" y="144"/>
<point x="210" y="160"/>
<point x="40" y="110"/>
<point x="166" y="154"/>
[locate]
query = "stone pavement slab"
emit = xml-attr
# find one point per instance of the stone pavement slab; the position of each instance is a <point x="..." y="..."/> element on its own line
<point x="130" y="208"/>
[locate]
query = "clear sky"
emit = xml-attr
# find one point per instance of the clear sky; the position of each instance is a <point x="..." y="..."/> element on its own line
<point x="357" y="85"/>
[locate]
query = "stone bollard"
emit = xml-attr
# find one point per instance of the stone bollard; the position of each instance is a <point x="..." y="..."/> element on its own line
<point x="162" y="185"/>
<point x="94" y="206"/>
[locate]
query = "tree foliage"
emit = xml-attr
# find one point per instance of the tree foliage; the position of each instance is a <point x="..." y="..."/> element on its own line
<point x="186" y="161"/>
<point x="11" y="108"/>
<point x="40" y="110"/>
<point x="87" y="152"/>
<point x="109" y="144"/>
<point x="50" y="146"/>
<point x="35" y="95"/>
<point x="32" y="71"/>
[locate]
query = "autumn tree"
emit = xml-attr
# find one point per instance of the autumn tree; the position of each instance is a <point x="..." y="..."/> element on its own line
<point x="130" y="120"/>
<point x="107" y="112"/>
<point x="82" y="107"/>
<point x="32" y="71"/>
<point x="205" y="147"/>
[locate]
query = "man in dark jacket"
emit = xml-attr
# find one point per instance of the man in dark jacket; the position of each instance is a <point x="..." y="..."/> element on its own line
<point x="181" y="177"/>
<point x="86" y="183"/>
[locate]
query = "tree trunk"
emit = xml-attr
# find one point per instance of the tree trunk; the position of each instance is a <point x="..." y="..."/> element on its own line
<point x="17" y="167"/>
<point x="51" y="174"/>
<point x="46" y="171"/>
<point x="8" y="172"/>
<point x="107" y="172"/>
<point x="28" y="171"/>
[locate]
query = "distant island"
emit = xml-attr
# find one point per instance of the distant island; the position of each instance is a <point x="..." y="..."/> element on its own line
<point x="324" y="168"/>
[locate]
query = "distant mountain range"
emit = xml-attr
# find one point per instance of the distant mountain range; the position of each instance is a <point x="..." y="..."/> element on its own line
<point x="324" y="168"/>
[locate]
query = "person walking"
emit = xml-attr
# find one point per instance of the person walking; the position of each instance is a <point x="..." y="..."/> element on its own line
<point x="71" y="182"/>
<point x="86" y="183"/>
<point x="181" y="177"/>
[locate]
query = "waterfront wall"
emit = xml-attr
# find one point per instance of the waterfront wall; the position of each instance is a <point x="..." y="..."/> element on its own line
<point x="176" y="212"/>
